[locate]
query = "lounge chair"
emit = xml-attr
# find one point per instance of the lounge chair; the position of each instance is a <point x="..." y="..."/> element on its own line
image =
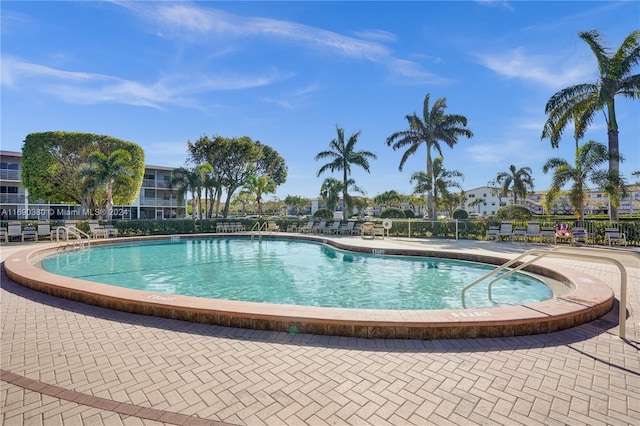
<point x="533" y="231"/>
<point x="320" y="227"/>
<point x="367" y="230"/>
<point x="29" y="233"/>
<point x="492" y="232"/>
<point x="111" y="231"/>
<point x="95" y="230"/>
<point x="506" y="231"/>
<point x="519" y="233"/>
<point x="307" y="227"/>
<point x="272" y="226"/>
<point x="3" y="235"/>
<point x="44" y="231"/>
<point x="579" y="235"/>
<point x="346" y="228"/>
<point x="548" y="233"/>
<point x="333" y="229"/>
<point x="614" y="236"/>
<point x="14" y="230"/>
<point x="356" y="229"/>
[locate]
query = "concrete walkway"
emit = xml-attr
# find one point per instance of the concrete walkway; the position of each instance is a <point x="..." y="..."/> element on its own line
<point x="68" y="363"/>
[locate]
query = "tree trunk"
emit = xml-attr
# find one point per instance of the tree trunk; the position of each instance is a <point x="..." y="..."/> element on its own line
<point x="614" y="166"/>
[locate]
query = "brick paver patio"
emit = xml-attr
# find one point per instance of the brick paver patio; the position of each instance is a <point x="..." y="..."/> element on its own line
<point x="68" y="363"/>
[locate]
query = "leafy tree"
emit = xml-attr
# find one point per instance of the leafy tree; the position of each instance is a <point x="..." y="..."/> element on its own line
<point x="107" y="173"/>
<point x="518" y="182"/>
<point x="234" y="160"/>
<point x="324" y="214"/>
<point x="434" y="127"/>
<point x="342" y="155"/>
<point x="388" y="198"/>
<point x="330" y="192"/>
<point x="52" y="164"/>
<point x="192" y="180"/>
<point x="297" y="202"/>
<point x="460" y="214"/>
<point x="581" y="103"/>
<point x="589" y="158"/>
<point x="258" y="186"/>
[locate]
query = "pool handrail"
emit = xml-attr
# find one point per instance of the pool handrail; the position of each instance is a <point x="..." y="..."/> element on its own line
<point x="566" y="253"/>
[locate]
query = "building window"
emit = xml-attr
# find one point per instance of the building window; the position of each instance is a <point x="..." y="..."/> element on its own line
<point x="8" y="189"/>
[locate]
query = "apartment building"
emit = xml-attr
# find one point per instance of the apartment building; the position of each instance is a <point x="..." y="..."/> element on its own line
<point x="155" y="200"/>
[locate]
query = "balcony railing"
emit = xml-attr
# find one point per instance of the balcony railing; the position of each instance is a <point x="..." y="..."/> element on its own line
<point x="10" y="174"/>
<point x="12" y="198"/>
<point x="160" y="202"/>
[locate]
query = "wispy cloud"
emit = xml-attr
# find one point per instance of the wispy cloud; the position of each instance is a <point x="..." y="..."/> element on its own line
<point x="552" y="72"/>
<point x="190" y="22"/>
<point x="90" y="88"/>
<point x="496" y="3"/>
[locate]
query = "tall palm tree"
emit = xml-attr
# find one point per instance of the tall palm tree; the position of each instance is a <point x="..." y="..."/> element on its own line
<point x="258" y="186"/>
<point x="434" y="127"/>
<point x="589" y="158"/>
<point x="342" y="155"/>
<point x="388" y="198"/>
<point x="518" y="182"/>
<point x="443" y="180"/>
<point x="330" y="192"/>
<point x="581" y="103"/>
<point x="108" y="172"/>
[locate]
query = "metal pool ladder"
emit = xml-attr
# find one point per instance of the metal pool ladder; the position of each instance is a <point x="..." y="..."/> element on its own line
<point x="564" y="253"/>
<point x="78" y="234"/>
<point x="258" y="228"/>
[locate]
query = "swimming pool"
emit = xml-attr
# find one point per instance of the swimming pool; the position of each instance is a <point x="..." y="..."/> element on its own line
<point x="578" y="297"/>
<point x="292" y="272"/>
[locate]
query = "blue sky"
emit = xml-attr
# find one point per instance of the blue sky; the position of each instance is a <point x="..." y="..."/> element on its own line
<point x="286" y="73"/>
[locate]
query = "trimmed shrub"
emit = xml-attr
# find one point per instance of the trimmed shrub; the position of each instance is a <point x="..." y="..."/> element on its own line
<point x="460" y="214"/>
<point x="409" y="214"/>
<point x="513" y="213"/>
<point x="392" y="213"/>
<point x="323" y="214"/>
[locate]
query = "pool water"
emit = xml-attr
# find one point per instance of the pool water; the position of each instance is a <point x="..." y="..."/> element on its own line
<point x="292" y="272"/>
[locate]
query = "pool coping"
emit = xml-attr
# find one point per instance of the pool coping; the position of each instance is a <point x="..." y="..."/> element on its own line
<point x="588" y="299"/>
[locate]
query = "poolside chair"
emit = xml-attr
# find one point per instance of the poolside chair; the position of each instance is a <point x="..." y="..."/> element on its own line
<point x="579" y="235"/>
<point x="346" y="228"/>
<point x="29" y="233"/>
<point x="367" y="230"/>
<point x="614" y="236"/>
<point x="95" y="230"/>
<point x="333" y="229"/>
<point x="548" y="233"/>
<point x="272" y="226"/>
<point x="356" y="229"/>
<point x="492" y="232"/>
<point x="519" y="233"/>
<point x="3" y="235"/>
<point x="319" y="228"/>
<point x="506" y="231"/>
<point x="533" y="231"/>
<point x="307" y="228"/>
<point x="14" y="230"/>
<point x="111" y="231"/>
<point x="44" y="231"/>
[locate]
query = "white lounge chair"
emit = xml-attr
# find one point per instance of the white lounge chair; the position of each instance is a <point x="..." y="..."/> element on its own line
<point x="346" y="228"/>
<point x="272" y="226"/>
<point x="533" y="231"/>
<point x="44" y="231"/>
<point x="492" y="232"/>
<point x="3" y="235"/>
<point x="519" y="233"/>
<point x="333" y="229"/>
<point x="548" y="233"/>
<point x="506" y="231"/>
<point x="579" y="235"/>
<point x="307" y="228"/>
<point x="14" y="230"/>
<point x="29" y="233"/>
<point x="614" y="236"/>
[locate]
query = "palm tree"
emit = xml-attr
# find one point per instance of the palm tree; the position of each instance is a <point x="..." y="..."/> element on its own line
<point x="518" y="182"/>
<point x="259" y="185"/>
<point x="434" y="127"/>
<point x="589" y="158"/>
<point x="388" y="198"/>
<point x="342" y="156"/>
<point x="477" y="203"/>
<point x="108" y="172"/>
<point x="444" y="180"/>
<point x="191" y="180"/>
<point x="581" y="102"/>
